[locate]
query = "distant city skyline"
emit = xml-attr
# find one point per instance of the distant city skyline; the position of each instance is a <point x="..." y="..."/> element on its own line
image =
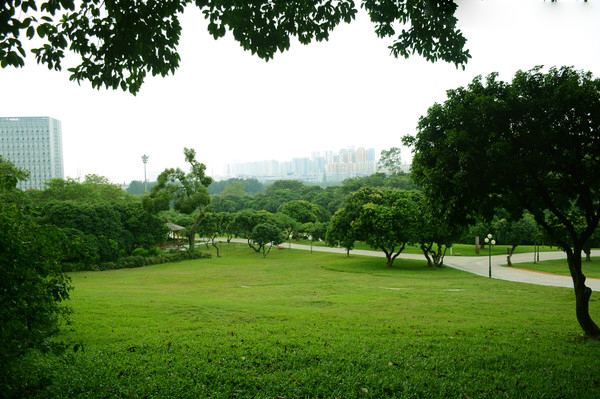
<point x="229" y="105"/>
<point x="320" y="167"/>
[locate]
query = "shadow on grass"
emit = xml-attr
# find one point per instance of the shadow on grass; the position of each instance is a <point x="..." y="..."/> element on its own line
<point x="377" y="266"/>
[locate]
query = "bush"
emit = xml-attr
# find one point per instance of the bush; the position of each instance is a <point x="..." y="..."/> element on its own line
<point x="32" y="285"/>
<point x="136" y="261"/>
<point x="140" y="252"/>
<point x="130" y="261"/>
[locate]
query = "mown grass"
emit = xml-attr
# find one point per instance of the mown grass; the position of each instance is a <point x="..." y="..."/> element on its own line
<point x="302" y="325"/>
<point x="560" y="266"/>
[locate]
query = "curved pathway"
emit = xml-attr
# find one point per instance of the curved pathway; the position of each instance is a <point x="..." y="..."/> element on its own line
<point x="480" y="265"/>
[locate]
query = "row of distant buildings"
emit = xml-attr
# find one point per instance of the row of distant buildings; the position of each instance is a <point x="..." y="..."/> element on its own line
<point x="33" y="144"/>
<point x="326" y="167"/>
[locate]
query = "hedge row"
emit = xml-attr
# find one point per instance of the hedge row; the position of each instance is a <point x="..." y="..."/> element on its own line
<point x="137" y="261"/>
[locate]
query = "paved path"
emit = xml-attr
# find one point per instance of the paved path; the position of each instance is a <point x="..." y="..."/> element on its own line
<point x="480" y="265"/>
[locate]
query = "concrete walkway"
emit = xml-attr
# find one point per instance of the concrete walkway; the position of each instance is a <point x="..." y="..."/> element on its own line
<point x="480" y="265"/>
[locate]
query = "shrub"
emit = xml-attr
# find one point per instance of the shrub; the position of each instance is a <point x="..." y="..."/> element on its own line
<point x="130" y="261"/>
<point x="140" y="252"/>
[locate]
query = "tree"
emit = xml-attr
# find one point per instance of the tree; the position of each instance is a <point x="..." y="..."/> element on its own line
<point x="391" y="160"/>
<point x="316" y="231"/>
<point x="187" y="191"/>
<point x="387" y="222"/>
<point x="119" y="43"/>
<point x="98" y="219"/>
<point x="593" y="242"/>
<point x="93" y="188"/>
<point x="32" y="287"/>
<point x="383" y="219"/>
<point x="435" y="234"/>
<point x="340" y="231"/>
<point x="236" y="189"/>
<point x="263" y="235"/>
<point x="532" y="144"/>
<point x="138" y="187"/>
<point x="247" y="220"/>
<point x="231" y="203"/>
<point x="140" y="228"/>
<point x="227" y="224"/>
<point x="250" y="186"/>
<point x="515" y="233"/>
<point x="213" y="224"/>
<point x="288" y="224"/>
<point x="273" y="200"/>
<point x="302" y="211"/>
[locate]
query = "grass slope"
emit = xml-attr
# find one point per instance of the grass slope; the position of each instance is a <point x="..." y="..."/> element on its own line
<point x="299" y="325"/>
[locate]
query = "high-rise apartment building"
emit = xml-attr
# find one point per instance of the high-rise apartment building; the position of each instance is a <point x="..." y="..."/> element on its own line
<point x="33" y="144"/>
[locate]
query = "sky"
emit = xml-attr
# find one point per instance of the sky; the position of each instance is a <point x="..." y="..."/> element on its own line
<point x="231" y="106"/>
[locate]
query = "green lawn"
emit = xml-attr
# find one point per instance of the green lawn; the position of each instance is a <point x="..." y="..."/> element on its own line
<point x="559" y="266"/>
<point x="302" y="325"/>
<point x="457" y="249"/>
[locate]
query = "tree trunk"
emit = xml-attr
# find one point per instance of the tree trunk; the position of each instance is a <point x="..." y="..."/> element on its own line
<point x="582" y="294"/>
<point x="439" y="259"/>
<point x="511" y="251"/>
<point x="390" y="260"/>
<point x="253" y="247"/>
<point x="435" y="258"/>
<point x="426" y="248"/>
<point x="194" y="229"/>
<point x="391" y="256"/>
<point x="588" y="254"/>
<point x="217" y="248"/>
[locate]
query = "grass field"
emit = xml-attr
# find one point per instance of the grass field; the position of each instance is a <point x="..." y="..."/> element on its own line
<point x="559" y="266"/>
<point x="302" y="325"/>
<point x="460" y="249"/>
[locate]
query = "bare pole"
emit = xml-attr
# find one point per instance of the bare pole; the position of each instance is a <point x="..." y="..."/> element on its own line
<point x="145" y="160"/>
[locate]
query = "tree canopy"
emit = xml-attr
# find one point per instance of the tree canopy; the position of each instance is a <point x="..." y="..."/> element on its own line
<point x="120" y="42"/>
<point x="187" y="192"/>
<point x="532" y="144"/>
<point x="386" y="220"/>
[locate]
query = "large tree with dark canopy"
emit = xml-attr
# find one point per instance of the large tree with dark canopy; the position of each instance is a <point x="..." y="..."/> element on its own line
<point x="119" y="42"/>
<point x="533" y="144"/>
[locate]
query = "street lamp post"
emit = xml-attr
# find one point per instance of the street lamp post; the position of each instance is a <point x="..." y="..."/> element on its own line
<point x="145" y="160"/>
<point x="491" y="242"/>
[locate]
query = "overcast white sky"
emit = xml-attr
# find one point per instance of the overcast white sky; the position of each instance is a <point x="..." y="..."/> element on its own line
<point x="232" y="106"/>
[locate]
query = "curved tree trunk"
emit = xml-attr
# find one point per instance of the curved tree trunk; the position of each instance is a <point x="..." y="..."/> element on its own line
<point x="426" y="248"/>
<point x="214" y="244"/>
<point x="511" y="251"/>
<point x="582" y="295"/>
<point x="391" y="256"/>
<point x="435" y="258"/>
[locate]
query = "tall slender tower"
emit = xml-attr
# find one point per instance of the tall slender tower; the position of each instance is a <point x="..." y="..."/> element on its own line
<point x="33" y="144"/>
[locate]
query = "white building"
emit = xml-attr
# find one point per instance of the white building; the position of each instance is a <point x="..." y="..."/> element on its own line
<point x="33" y="144"/>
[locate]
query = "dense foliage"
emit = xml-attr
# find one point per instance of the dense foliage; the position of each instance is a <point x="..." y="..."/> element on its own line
<point x="100" y="221"/>
<point x="119" y="43"/>
<point x="532" y="144"/>
<point x="386" y="220"/>
<point x="32" y="287"/>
